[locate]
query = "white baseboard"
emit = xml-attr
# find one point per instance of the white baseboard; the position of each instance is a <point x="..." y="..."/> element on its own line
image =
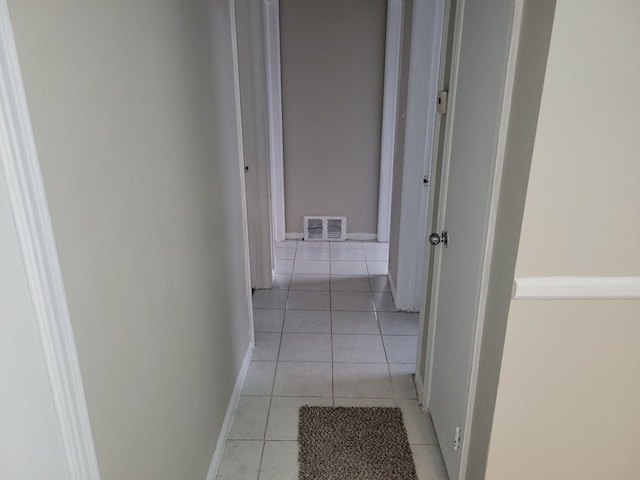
<point x="228" y="417"/>
<point x="350" y="236"/>
<point x="367" y="237"/>
<point x="568" y="288"/>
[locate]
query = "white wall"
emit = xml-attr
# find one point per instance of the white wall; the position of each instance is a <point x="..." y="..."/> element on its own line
<point x="569" y="387"/>
<point x="30" y="442"/>
<point x="135" y="121"/>
<point x="332" y="85"/>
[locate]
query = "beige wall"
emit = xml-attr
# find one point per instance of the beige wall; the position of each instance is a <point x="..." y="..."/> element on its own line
<point x="569" y="390"/>
<point x="133" y="110"/>
<point x="332" y="78"/>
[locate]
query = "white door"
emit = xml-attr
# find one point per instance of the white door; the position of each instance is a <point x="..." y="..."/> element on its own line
<point x="483" y="32"/>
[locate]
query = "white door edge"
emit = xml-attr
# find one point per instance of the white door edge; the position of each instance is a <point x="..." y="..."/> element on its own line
<point x="21" y="168"/>
<point x="274" y="101"/>
<point x="240" y="166"/>
<point x="389" y="113"/>
<point x="437" y="257"/>
<point x="493" y="213"/>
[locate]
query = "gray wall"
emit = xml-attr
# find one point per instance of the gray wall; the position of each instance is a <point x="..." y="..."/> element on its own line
<point x="134" y="116"/>
<point x="332" y="79"/>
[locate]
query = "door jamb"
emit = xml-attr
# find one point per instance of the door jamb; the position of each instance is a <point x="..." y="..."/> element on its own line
<point x="491" y="221"/>
<point x="493" y="214"/>
<point x="389" y="115"/>
<point x="274" y="96"/>
<point x="274" y="102"/>
<point x="30" y="211"/>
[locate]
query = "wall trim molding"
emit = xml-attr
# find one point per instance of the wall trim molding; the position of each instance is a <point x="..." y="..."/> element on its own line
<point x="576" y="288"/>
<point x="27" y="198"/>
<point x="389" y="114"/>
<point x="228" y="416"/>
<point x="366" y="237"/>
<point x="274" y="103"/>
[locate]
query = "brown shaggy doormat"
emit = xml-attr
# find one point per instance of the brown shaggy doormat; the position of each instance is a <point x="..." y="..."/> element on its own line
<point x="354" y="443"/>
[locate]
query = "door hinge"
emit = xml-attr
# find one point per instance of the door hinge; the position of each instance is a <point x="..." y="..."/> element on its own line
<point x="457" y="438"/>
<point x="443" y="101"/>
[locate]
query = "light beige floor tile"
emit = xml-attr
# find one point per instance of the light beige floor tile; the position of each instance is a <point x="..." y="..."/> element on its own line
<point x="259" y="379"/>
<point x="402" y="380"/>
<point x="361" y="380"/>
<point x="352" y="301"/>
<point x="358" y="349"/>
<point x="379" y="283"/>
<point x="274" y="299"/>
<point x="417" y="423"/>
<point x="281" y="281"/>
<point x="354" y="322"/>
<point x="429" y="463"/>
<point x="384" y="302"/>
<point x="308" y="321"/>
<point x="267" y="346"/>
<point x="284" y="414"/>
<point x="312" y="254"/>
<point x="303" y="379"/>
<point x="310" y="282"/>
<point x="279" y="461"/>
<point x="240" y="460"/>
<point x="305" y="347"/>
<point x="250" y="419"/>
<point x="285" y="253"/>
<point x="364" y="402"/>
<point x="313" y="267"/>
<point x="268" y="320"/>
<point x="400" y="348"/>
<point x="340" y="267"/>
<point x="398" y="323"/>
<point x="308" y="300"/>
<point x="350" y="283"/>
<point x="378" y="268"/>
<point x="348" y="254"/>
<point x="284" y="266"/>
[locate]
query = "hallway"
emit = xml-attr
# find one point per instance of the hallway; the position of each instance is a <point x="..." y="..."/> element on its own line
<point x="326" y="334"/>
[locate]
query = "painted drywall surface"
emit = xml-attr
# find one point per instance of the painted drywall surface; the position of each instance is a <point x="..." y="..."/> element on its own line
<point x="582" y="208"/>
<point x="569" y="386"/>
<point x="30" y="443"/>
<point x="533" y="47"/>
<point x="134" y="117"/>
<point x="332" y="79"/>
<point x="569" y="391"/>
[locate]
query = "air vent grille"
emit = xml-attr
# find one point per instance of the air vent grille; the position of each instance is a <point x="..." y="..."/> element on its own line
<point x="325" y="228"/>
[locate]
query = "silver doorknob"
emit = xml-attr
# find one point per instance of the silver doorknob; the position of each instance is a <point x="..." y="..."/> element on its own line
<point x="438" y="238"/>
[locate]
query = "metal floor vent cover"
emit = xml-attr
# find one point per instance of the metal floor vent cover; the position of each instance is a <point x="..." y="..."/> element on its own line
<point x="333" y="229"/>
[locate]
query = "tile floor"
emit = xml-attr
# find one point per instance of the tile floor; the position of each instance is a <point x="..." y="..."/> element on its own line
<point x="326" y="334"/>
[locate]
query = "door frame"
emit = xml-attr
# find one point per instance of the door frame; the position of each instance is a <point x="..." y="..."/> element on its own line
<point x="29" y="208"/>
<point x="431" y="300"/>
<point x="390" y="102"/>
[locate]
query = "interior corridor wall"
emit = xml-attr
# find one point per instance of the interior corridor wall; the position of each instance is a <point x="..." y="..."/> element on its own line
<point x="134" y="116"/>
<point x="332" y="85"/>
<point x="569" y="387"/>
